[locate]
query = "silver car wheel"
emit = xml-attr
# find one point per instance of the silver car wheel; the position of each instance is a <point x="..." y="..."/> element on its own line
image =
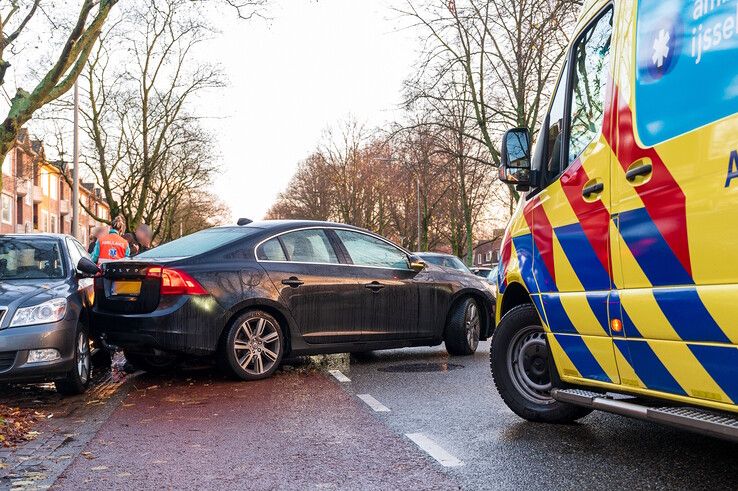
<point x="257" y="345"/>
<point x="84" y="359"/>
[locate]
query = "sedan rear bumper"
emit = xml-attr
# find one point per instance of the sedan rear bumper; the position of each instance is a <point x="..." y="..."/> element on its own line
<point x="17" y="342"/>
<point x="188" y="324"/>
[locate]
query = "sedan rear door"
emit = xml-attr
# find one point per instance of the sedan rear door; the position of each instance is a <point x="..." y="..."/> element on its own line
<point x="315" y="286"/>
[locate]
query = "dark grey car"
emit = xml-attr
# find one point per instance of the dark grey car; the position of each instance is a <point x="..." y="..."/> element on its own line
<point x="46" y="292"/>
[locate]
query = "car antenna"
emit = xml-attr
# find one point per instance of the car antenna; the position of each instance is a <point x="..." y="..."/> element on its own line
<point x="243" y="221"/>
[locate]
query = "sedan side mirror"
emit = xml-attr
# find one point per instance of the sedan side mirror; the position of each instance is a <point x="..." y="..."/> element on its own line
<point x="515" y="158"/>
<point x="416" y="264"/>
<point x="87" y="268"/>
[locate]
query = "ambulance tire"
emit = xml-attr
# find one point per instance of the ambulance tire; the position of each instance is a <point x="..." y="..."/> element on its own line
<point x="519" y="364"/>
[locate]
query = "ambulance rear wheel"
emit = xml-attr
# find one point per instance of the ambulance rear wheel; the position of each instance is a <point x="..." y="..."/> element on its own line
<point x="520" y="368"/>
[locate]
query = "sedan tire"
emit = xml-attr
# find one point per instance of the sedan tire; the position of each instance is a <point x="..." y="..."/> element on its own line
<point x="78" y="378"/>
<point x="463" y="328"/>
<point x="254" y="345"/>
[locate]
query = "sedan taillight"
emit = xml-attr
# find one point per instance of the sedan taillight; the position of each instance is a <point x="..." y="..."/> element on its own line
<point x="175" y="282"/>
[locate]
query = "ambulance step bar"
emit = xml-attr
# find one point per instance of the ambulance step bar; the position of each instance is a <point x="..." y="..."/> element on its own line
<point x="721" y="425"/>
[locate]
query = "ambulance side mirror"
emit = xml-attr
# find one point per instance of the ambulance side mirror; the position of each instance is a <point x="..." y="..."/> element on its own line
<point x="515" y="157"/>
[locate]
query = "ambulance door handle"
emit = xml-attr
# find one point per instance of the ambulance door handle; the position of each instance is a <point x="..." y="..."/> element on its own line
<point x="595" y="188"/>
<point x="638" y="170"/>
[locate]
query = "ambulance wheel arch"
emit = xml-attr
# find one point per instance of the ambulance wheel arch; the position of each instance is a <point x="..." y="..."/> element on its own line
<point x="515" y="295"/>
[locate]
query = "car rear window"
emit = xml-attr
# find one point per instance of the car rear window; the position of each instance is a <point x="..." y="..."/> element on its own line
<point x="28" y="259"/>
<point x="198" y="243"/>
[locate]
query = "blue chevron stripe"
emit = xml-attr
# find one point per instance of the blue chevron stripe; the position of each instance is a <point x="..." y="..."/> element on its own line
<point x="648" y="366"/>
<point x="598" y="303"/>
<point x="524" y="250"/>
<point x="688" y="316"/>
<point x="721" y="362"/>
<point x="582" y="257"/>
<point x="558" y="319"/>
<point x="650" y="250"/>
<point x="581" y="357"/>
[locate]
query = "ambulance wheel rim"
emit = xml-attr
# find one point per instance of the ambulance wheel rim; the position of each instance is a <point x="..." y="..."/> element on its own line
<point x="527" y="363"/>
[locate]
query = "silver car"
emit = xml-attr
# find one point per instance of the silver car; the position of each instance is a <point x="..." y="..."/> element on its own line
<point x="45" y="303"/>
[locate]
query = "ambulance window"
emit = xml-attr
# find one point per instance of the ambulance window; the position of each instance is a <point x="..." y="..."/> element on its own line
<point x="552" y="162"/>
<point x="590" y="78"/>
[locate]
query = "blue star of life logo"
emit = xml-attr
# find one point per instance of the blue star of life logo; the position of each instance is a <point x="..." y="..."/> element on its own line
<point x="113" y="252"/>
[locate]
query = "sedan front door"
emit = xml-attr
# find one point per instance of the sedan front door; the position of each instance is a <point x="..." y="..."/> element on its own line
<point x="385" y="284"/>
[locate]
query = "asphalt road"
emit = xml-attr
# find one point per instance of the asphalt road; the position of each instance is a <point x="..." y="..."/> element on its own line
<point x="305" y="429"/>
<point x="461" y="411"/>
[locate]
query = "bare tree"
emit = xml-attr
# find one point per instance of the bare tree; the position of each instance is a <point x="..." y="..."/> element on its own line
<point x="504" y="53"/>
<point x="60" y="77"/>
<point x="144" y="148"/>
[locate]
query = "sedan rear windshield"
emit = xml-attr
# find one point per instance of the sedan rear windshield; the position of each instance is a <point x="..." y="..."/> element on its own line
<point x="29" y="259"/>
<point x="198" y="243"/>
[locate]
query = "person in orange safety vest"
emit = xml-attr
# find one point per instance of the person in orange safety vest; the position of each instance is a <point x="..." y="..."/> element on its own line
<point x="112" y="246"/>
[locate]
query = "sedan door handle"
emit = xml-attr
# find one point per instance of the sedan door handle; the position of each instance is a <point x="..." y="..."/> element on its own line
<point x="641" y="170"/>
<point x="595" y="188"/>
<point x="374" y="286"/>
<point x="293" y="281"/>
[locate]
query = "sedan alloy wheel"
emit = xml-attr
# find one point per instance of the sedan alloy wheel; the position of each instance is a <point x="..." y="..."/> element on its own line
<point x="255" y="345"/>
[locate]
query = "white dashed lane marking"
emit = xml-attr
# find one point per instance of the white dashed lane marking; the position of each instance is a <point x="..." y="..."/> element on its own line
<point x="434" y="450"/>
<point x="338" y="375"/>
<point x="373" y="403"/>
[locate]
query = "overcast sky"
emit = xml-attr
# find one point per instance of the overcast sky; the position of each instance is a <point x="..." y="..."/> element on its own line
<point x="312" y="65"/>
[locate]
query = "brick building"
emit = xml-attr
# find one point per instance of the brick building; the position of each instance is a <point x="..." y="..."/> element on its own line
<point x="36" y="198"/>
<point x="487" y="252"/>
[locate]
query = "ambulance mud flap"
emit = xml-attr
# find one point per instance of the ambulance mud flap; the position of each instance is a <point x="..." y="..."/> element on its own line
<point x="721" y="425"/>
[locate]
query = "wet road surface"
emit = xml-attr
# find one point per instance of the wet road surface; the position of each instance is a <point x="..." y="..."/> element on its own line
<point x="293" y="431"/>
<point x="460" y="410"/>
<point x="413" y="419"/>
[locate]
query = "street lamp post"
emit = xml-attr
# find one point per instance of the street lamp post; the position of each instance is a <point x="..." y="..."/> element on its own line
<point x="417" y="187"/>
<point x="75" y="171"/>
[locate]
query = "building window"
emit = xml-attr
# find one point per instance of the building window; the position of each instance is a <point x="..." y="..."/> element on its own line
<point x="53" y="186"/>
<point x="6" y="209"/>
<point x="488" y="256"/>
<point x="53" y="224"/>
<point x="479" y="258"/>
<point x="19" y="211"/>
<point x="45" y="183"/>
<point x="8" y="165"/>
<point x="44" y="220"/>
<point x="35" y="216"/>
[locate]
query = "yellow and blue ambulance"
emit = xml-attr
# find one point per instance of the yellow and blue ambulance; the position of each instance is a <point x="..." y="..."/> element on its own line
<point x="618" y="283"/>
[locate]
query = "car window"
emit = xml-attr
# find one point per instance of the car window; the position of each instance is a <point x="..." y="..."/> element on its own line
<point x="74" y="254"/>
<point x="82" y="250"/>
<point x="271" y="250"/>
<point x="591" y="75"/>
<point x="308" y="246"/>
<point x="366" y="250"/>
<point x="456" y="263"/>
<point x="198" y="243"/>
<point x="552" y="158"/>
<point x="30" y="259"/>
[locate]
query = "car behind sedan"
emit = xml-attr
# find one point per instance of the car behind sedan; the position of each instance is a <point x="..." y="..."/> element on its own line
<point x="44" y="311"/>
<point x="252" y="294"/>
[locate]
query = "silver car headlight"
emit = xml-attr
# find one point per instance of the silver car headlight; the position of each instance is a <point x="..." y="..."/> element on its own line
<point x="50" y="311"/>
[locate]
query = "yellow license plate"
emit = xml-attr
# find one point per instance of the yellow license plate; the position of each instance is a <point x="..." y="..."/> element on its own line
<point x="126" y="288"/>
